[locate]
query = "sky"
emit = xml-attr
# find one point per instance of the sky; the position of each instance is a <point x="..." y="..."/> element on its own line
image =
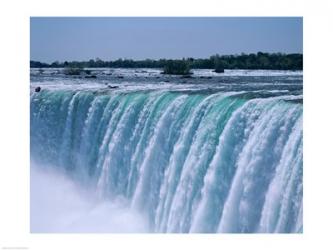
<point x="109" y="38"/>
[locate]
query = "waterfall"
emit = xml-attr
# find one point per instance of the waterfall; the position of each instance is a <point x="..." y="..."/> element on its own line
<point x="199" y="162"/>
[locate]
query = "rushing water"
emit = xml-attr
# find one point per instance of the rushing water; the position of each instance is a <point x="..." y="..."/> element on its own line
<point x="207" y="154"/>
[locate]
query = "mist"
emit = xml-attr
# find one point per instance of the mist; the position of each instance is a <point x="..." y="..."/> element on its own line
<point x="60" y="205"/>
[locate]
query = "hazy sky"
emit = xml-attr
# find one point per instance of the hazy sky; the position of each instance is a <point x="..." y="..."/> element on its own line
<point x="109" y="38"/>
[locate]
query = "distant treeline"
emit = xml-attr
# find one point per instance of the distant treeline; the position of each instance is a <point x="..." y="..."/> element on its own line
<point x="260" y="60"/>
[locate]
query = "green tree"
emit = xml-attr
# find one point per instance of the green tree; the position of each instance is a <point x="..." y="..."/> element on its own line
<point x="176" y="67"/>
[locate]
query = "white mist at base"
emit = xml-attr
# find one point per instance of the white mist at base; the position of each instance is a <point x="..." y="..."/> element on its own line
<point x="59" y="205"/>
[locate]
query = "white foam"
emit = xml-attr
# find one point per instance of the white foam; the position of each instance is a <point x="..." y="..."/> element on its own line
<point x="59" y="205"/>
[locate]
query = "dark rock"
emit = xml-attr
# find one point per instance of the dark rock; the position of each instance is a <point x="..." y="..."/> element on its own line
<point x="37" y="89"/>
<point x="92" y="76"/>
<point x="218" y="70"/>
<point x="121" y="77"/>
<point x="112" y="87"/>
